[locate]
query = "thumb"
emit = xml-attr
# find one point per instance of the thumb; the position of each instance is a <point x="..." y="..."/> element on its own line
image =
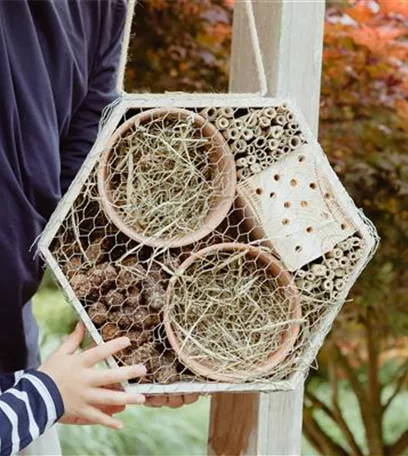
<point x="73" y="341"/>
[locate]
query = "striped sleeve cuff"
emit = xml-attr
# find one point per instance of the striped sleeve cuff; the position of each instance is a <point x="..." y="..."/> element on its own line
<point x="27" y="410"/>
<point x="7" y="381"/>
<point x="51" y="387"/>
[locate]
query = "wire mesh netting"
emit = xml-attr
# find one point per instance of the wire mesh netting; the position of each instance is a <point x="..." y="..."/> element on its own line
<point x="217" y="238"/>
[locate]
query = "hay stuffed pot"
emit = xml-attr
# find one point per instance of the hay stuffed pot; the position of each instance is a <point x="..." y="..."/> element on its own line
<point x="232" y="313"/>
<point x="167" y="178"/>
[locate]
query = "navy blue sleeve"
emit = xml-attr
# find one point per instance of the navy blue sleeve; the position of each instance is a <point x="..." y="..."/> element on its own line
<point x="27" y="409"/>
<point x="101" y="92"/>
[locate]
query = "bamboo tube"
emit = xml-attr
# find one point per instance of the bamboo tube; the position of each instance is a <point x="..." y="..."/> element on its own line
<point x="239" y="124"/>
<point x="260" y="142"/>
<point x="251" y="150"/>
<point x="258" y="131"/>
<point x="294" y="142"/>
<point x="269" y="160"/>
<point x="356" y="242"/>
<point x="222" y="123"/>
<point x="349" y="270"/>
<point x="332" y="263"/>
<point x="239" y="146"/>
<point x="264" y="122"/>
<point x="269" y="112"/>
<point x="339" y="272"/>
<point x="282" y="107"/>
<point x="273" y="143"/>
<point x="286" y="149"/>
<point x="300" y="274"/>
<point x="264" y="165"/>
<point x="353" y="256"/>
<point x="255" y="168"/>
<point x="280" y="119"/>
<point x="233" y="133"/>
<point x="310" y="276"/>
<point x="293" y="126"/>
<point x="251" y="160"/>
<point x="319" y="270"/>
<point x="335" y="253"/>
<point x="304" y="285"/>
<point x="345" y="245"/>
<point x="284" y="141"/>
<point x="211" y="113"/>
<point x="276" y="131"/>
<point x="247" y="134"/>
<point x="289" y="116"/>
<point x="227" y="112"/>
<point x="327" y="285"/>
<point x="289" y="133"/>
<point x="262" y="154"/>
<point x="344" y="262"/>
<point x="329" y="274"/>
<point x="242" y="162"/>
<point x="339" y="284"/>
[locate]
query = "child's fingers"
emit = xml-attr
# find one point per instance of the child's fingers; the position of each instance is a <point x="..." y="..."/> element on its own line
<point x="121" y="374"/>
<point x="101" y="352"/>
<point x="73" y="341"/>
<point x="102" y="396"/>
<point x="157" y="401"/>
<point x="95" y="416"/>
<point x="190" y="398"/>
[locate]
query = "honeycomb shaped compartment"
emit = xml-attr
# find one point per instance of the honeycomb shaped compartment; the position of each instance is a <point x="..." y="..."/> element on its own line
<point x="211" y="231"/>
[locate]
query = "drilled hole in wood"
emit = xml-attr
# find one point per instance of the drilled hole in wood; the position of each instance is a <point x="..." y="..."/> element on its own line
<point x="327" y="195"/>
<point x="259" y="191"/>
<point x="293" y="182"/>
<point x="298" y="248"/>
<point x="343" y="226"/>
<point x="285" y="221"/>
<point x="304" y="203"/>
<point x="301" y="158"/>
<point x="276" y="177"/>
<point x="272" y="195"/>
<point x="287" y="204"/>
<point x="309" y="229"/>
<point x="313" y="186"/>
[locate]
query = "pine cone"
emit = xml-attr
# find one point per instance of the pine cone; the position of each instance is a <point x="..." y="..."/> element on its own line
<point x="110" y="331"/>
<point x="98" y="313"/>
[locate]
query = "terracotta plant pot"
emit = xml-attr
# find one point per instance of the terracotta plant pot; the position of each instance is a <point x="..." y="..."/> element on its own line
<point x="275" y="269"/>
<point x="224" y="178"/>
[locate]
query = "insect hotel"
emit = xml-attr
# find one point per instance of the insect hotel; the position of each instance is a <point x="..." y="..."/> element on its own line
<point x="211" y="231"/>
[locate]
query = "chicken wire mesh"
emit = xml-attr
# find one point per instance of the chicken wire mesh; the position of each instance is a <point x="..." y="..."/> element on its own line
<point x="212" y="232"/>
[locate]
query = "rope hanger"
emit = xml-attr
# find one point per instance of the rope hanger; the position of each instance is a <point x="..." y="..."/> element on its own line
<point x="256" y="45"/>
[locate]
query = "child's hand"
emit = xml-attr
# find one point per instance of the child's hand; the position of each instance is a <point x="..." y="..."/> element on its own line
<point x="84" y="389"/>
<point x="171" y="400"/>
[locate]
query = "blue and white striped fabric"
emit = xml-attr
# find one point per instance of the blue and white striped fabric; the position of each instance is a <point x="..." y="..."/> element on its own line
<point x="29" y="404"/>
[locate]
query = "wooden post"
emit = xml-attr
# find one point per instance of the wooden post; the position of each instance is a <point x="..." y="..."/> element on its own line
<point x="291" y="38"/>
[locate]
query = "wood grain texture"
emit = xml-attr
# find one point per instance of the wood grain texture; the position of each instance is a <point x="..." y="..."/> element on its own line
<point x="236" y="436"/>
<point x="291" y="36"/>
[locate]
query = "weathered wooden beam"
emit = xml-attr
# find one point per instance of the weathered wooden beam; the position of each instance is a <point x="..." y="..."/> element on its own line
<point x="291" y="39"/>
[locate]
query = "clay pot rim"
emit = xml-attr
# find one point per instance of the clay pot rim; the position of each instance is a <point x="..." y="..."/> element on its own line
<point x="216" y="214"/>
<point x="283" y="277"/>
